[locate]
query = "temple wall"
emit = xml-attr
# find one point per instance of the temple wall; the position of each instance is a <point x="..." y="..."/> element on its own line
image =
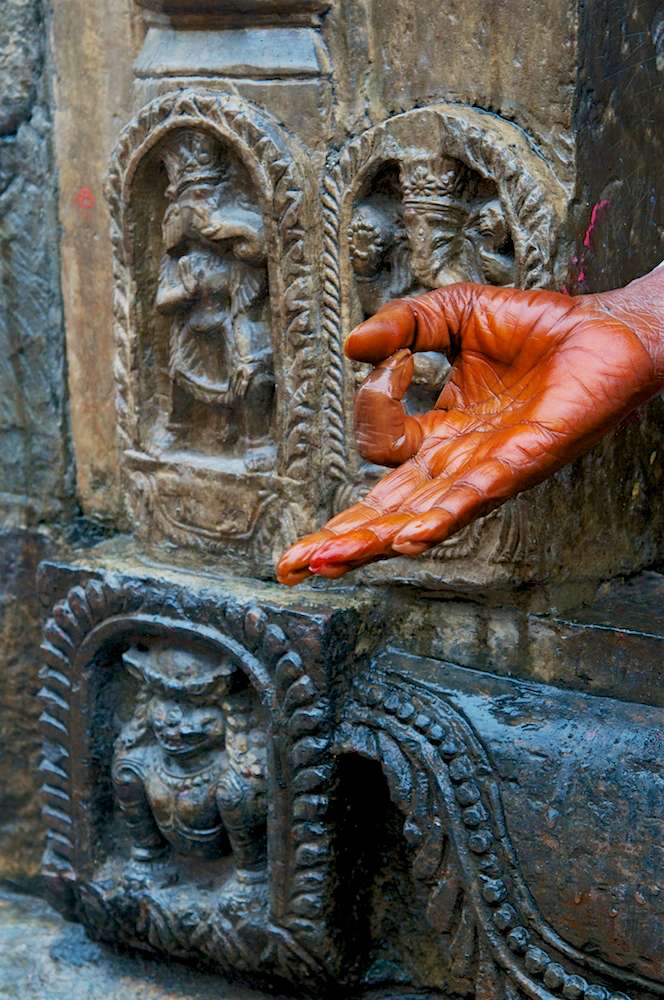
<point x="198" y="201"/>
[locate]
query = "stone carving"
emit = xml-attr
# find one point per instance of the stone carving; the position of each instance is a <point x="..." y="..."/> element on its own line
<point x="456" y="225"/>
<point x="378" y="246"/>
<point x="189" y="767"/>
<point x="215" y="366"/>
<point x="213" y="282"/>
<point x="432" y="196"/>
<point x="494" y="942"/>
<point x="441" y="222"/>
<point x="164" y="741"/>
<point x="187" y="730"/>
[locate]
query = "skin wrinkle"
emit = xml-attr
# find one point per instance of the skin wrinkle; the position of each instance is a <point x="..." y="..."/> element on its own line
<point x="537" y="379"/>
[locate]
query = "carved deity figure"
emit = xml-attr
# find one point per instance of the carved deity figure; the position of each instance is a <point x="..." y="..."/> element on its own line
<point x="189" y="767"/>
<point x="437" y="224"/>
<point x="455" y="224"/>
<point x="446" y="226"/>
<point x="213" y="283"/>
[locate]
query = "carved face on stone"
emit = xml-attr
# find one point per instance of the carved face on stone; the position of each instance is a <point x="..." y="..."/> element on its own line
<point x="370" y="235"/>
<point x="456" y="229"/>
<point x="184" y="728"/>
<point x="379" y="251"/>
<point x="212" y="278"/>
<point x="185" y="687"/>
<point x="440" y="251"/>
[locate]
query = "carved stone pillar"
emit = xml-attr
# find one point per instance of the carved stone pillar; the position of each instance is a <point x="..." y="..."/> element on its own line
<point x="353" y="787"/>
<point x="232" y="390"/>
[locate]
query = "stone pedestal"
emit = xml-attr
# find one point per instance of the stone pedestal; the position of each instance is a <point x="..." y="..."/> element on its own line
<point x="391" y="817"/>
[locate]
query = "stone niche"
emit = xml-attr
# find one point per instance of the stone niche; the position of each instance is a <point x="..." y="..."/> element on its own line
<point x="215" y="311"/>
<point x="188" y="781"/>
<point x="430" y="197"/>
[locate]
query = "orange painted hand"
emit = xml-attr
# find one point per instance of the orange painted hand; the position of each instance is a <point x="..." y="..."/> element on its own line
<point x="537" y="378"/>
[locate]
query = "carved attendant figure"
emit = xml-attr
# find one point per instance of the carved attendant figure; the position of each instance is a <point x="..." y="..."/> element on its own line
<point x="189" y="768"/>
<point x="213" y="282"/>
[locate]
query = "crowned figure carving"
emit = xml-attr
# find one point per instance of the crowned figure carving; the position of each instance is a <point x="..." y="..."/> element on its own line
<point x="189" y="770"/>
<point x="213" y="283"/>
<point x="455" y="224"/>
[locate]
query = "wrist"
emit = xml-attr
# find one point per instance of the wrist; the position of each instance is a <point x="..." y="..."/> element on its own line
<point x="640" y="306"/>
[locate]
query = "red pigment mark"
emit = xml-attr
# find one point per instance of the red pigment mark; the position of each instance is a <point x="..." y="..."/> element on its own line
<point x="594" y="219"/>
<point x="577" y="269"/>
<point x="85" y="199"/>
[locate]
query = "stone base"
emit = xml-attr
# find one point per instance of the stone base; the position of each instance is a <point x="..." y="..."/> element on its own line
<point x="434" y="823"/>
<point x="44" y="956"/>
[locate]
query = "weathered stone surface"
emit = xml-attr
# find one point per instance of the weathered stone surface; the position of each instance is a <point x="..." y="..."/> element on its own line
<point x="551" y="799"/>
<point x="35" y="462"/>
<point x="619" y="103"/>
<point x="21" y="53"/>
<point x="42" y="955"/>
<point x="611" y="646"/>
<point x="393" y="56"/>
<point x="20" y="628"/>
<point x="93" y="48"/>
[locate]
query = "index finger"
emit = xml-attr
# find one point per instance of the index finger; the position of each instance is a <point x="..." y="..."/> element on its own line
<point x="424" y="323"/>
<point x="383" y="334"/>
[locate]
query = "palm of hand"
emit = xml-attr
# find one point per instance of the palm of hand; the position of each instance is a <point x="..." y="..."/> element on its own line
<point x="537" y="379"/>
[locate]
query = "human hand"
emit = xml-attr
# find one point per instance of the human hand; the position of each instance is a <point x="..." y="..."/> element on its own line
<point x="537" y="378"/>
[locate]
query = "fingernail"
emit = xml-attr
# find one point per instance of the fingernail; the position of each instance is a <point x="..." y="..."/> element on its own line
<point x="342" y="550"/>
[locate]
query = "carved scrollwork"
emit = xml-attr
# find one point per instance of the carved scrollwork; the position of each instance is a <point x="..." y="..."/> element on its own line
<point x="164" y="741"/>
<point x="431" y="196"/>
<point x="215" y="366"/>
<point x="495" y="942"/>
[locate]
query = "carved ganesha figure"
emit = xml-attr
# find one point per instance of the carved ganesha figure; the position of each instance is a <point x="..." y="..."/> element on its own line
<point x="213" y="283"/>
<point x="189" y="768"/>
<point x="435" y="223"/>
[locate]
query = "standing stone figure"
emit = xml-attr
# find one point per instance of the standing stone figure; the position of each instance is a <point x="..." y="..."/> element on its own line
<point x="213" y="283"/>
